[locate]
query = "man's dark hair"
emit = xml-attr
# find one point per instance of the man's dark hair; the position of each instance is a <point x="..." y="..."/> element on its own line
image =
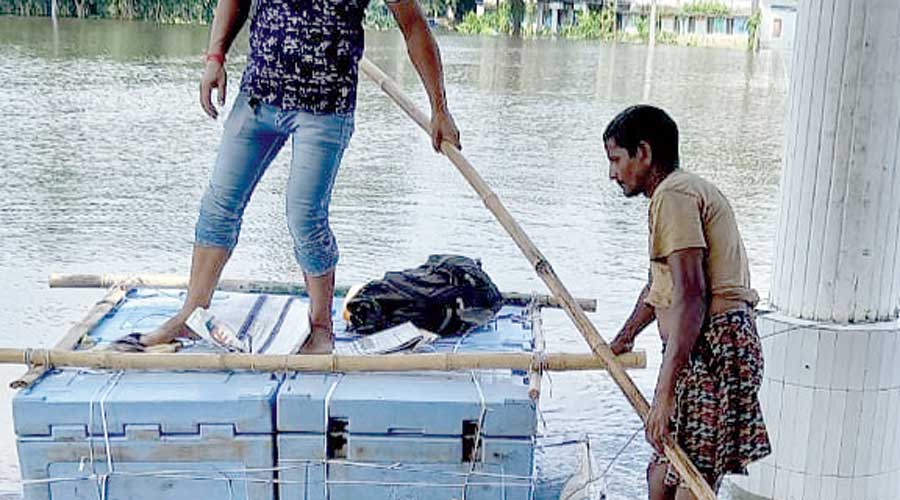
<point x="649" y="124"/>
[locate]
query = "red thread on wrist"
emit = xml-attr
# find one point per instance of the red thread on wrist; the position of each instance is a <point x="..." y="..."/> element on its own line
<point x="216" y="56"/>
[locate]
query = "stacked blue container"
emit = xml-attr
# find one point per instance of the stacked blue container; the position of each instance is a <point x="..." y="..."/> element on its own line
<point x="387" y="436"/>
<point x="179" y="436"/>
<point x="193" y="435"/>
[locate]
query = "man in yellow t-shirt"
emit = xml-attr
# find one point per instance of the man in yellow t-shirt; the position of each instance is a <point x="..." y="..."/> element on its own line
<point x="699" y="293"/>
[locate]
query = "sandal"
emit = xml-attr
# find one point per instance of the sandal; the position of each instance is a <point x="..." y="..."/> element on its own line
<point x="129" y="343"/>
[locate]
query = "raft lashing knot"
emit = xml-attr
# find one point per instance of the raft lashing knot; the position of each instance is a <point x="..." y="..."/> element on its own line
<point x="540" y="362"/>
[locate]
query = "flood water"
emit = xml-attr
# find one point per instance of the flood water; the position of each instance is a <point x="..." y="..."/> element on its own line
<point x="104" y="153"/>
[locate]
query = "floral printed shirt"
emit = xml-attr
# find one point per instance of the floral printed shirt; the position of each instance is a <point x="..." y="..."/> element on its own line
<point x="304" y="54"/>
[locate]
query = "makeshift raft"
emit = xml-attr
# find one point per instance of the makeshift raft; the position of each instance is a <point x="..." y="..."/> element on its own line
<point x="96" y="434"/>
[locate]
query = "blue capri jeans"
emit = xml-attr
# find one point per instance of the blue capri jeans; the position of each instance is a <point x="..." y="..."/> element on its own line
<point x="254" y="133"/>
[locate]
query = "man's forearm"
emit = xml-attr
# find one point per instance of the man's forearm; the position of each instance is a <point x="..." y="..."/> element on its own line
<point x="642" y="315"/>
<point x="426" y="57"/>
<point x="228" y="20"/>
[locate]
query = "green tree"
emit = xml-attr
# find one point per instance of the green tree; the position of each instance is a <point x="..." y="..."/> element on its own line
<point x="596" y="25"/>
<point x="707" y="8"/>
<point x="516" y="16"/>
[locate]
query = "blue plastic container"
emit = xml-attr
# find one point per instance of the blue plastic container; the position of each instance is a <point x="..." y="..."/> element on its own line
<point x="193" y="435"/>
<point x="236" y="435"/>
<point x="412" y="435"/>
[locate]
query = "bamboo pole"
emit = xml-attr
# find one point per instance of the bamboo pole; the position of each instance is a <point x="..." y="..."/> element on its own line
<point x="176" y="281"/>
<point x="113" y="360"/>
<point x="73" y="337"/>
<point x="543" y="268"/>
<point x="259" y="286"/>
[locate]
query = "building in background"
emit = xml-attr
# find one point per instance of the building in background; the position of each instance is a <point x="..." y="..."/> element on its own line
<point x="690" y="22"/>
<point x="703" y="23"/>
<point x="777" y="24"/>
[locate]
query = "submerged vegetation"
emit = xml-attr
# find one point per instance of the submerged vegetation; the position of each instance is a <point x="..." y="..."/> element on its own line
<point x="512" y="17"/>
<point x="161" y="11"/>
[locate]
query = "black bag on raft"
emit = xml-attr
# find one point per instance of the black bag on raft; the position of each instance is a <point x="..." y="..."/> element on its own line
<point x="448" y="295"/>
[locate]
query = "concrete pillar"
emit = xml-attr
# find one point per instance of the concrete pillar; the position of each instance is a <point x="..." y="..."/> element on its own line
<point x="831" y="392"/>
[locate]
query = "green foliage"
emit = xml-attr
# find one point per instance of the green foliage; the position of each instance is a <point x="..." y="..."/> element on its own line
<point x="439" y="8"/>
<point x="490" y="23"/>
<point x="493" y="22"/>
<point x="753" y="30"/>
<point x="195" y="11"/>
<point x="162" y="11"/>
<point x="666" y="37"/>
<point x="707" y="8"/>
<point x="643" y="27"/>
<point x="593" y="25"/>
<point x="24" y="7"/>
<point x="378" y="17"/>
<point x="516" y="13"/>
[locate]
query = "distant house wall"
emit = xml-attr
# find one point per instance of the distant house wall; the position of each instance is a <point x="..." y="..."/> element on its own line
<point x="777" y="24"/>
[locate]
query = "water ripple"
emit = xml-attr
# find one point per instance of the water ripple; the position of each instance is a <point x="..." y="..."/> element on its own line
<point x="105" y="153"/>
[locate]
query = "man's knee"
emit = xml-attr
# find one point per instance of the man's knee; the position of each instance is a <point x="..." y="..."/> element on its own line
<point x="656" y="481"/>
<point x="315" y="247"/>
<point x="656" y="475"/>
<point x="309" y="229"/>
<point x="219" y="222"/>
<point x="655" y="469"/>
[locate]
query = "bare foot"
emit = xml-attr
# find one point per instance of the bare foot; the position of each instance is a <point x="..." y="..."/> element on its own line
<point x="168" y="331"/>
<point x="318" y="342"/>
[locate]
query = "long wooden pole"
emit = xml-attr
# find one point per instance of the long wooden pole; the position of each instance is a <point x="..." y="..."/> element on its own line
<point x="112" y="360"/>
<point x="260" y="286"/>
<point x="70" y="341"/>
<point x="178" y="281"/>
<point x="543" y="268"/>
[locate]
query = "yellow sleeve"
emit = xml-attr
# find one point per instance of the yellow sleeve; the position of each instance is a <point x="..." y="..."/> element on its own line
<point x="676" y="223"/>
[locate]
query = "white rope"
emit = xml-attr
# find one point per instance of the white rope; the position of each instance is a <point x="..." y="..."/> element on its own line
<point x="460" y="340"/>
<point x="26" y="358"/>
<point x="532" y="485"/>
<point x="105" y="477"/>
<point x="100" y="394"/>
<point x="230" y="484"/>
<point x="481" y="417"/>
<point x="549" y="384"/>
<point x="325" y="450"/>
<point x="103" y="484"/>
<point x="532" y="310"/>
<point x="223" y="475"/>
<point x="90" y="430"/>
<point x="501" y="482"/>
<point x="479" y="447"/>
<point x="409" y="468"/>
<point x="619" y="453"/>
<point x="300" y="464"/>
<point x="114" y="380"/>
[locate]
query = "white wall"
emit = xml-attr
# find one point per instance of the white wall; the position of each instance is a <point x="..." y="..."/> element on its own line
<point x="831" y="390"/>
<point x="788" y="19"/>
